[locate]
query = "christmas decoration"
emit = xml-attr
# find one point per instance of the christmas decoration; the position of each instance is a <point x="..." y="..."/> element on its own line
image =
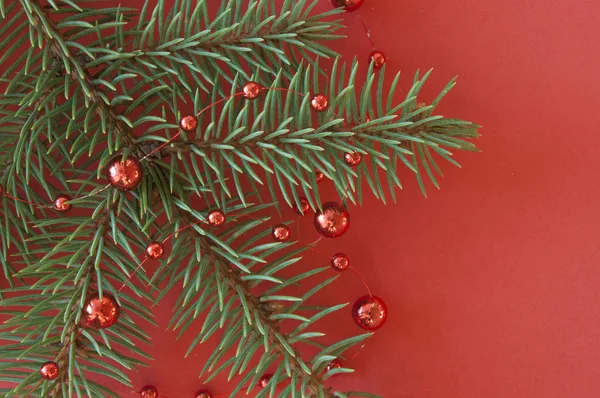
<point x="188" y="123"/>
<point x="96" y="89"/>
<point x="303" y="208"/>
<point x="203" y="394"/>
<point x="251" y="90"/>
<point x="216" y="218"/>
<point x="319" y="175"/>
<point x="369" y="312"/>
<point x="353" y="159"/>
<point x="101" y="313"/>
<point x="264" y="380"/>
<point x="60" y="203"/>
<point x="155" y="250"/>
<point x="333" y="221"/>
<point x="349" y="5"/>
<point x="49" y="370"/>
<point x="319" y="103"/>
<point x="149" y="392"/>
<point x="124" y="175"/>
<point x="335" y="364"/>
<point x="378" y="59"/>
<point x="340" y="262"/>
<point x="281" y="232"/>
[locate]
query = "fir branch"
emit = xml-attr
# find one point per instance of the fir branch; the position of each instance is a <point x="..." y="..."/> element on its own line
<point x="53" y="276"/>
<point x="232" y="276"/>
<point x="234" y="282"/>
<point x="238" y="34"/>
<point x="71" y="328"/>
<point x="71" y="333"/>
<point x="39" y="18"/>
<point x="276" y="134"/>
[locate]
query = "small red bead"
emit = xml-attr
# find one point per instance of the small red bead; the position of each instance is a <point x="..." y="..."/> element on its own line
<point x="264" y="381"/>
<point x="335" y="364"/>
<point x="378" y="59"/>
<point x="61" y="203"/>
<point x="303" y="208"/>
<point x="251" y="90"/>
<point x="333" y="221"/>
<point x="149" y="392"/>
<point x="125" y="175"/>
<point x="203" y="394"/>
<point x="349" y="5"/>
<point x="340" y="262"/>
<point x="216" y="218"/>
<point x="369" y="312"/>
<point x="352" y="159"/>
<point x="188" y="123"/>
<point x="49" y="370"/>
<point x="319" y="103"/>
<point x="281" y="232"/>
<point x="319" y="175"/>
<point x="155" y="250"/>
<point x="100" y="313"/>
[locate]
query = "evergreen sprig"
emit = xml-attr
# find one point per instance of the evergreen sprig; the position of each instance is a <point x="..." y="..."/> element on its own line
<point x="220" y="283"/>
<point x="277" y="135"/>
<point x="50" y="327"/>
<point x="82" y="85"/>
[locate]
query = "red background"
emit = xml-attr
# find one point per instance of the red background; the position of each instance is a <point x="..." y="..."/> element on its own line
<point x="492" y="281"/>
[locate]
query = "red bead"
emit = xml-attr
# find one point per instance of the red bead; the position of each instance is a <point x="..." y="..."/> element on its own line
<point x="352" y="159"/>
<point x="188" y="123"/>
<point x="149" y="392"/>
<point x="369" y="312"/>
<point x="281" y="232"/>
<point x="203" y="394"/>
<point x="319" y="103"/>
<point x="60" y="203"/>
<point x="216" y="218"/>
<point x="49" y="370"/>
<point x="251" y="90"/>
<point x="101" y="313"/>
<point x="319" y="175"/>
<point x="340" y="262"/>
<point x="303" y="208"/>
<point x="349" y="5"/>
<point x="378" y="59"/>
<point x="333" y="221"/>
<point x="124" y="175"/>
<point x="335" y="364"/>
<point x="155" y="250"/>
<point x="264" y="380"/>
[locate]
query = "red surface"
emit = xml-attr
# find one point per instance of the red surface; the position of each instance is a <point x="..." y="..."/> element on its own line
<point x="491" y="283"/>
